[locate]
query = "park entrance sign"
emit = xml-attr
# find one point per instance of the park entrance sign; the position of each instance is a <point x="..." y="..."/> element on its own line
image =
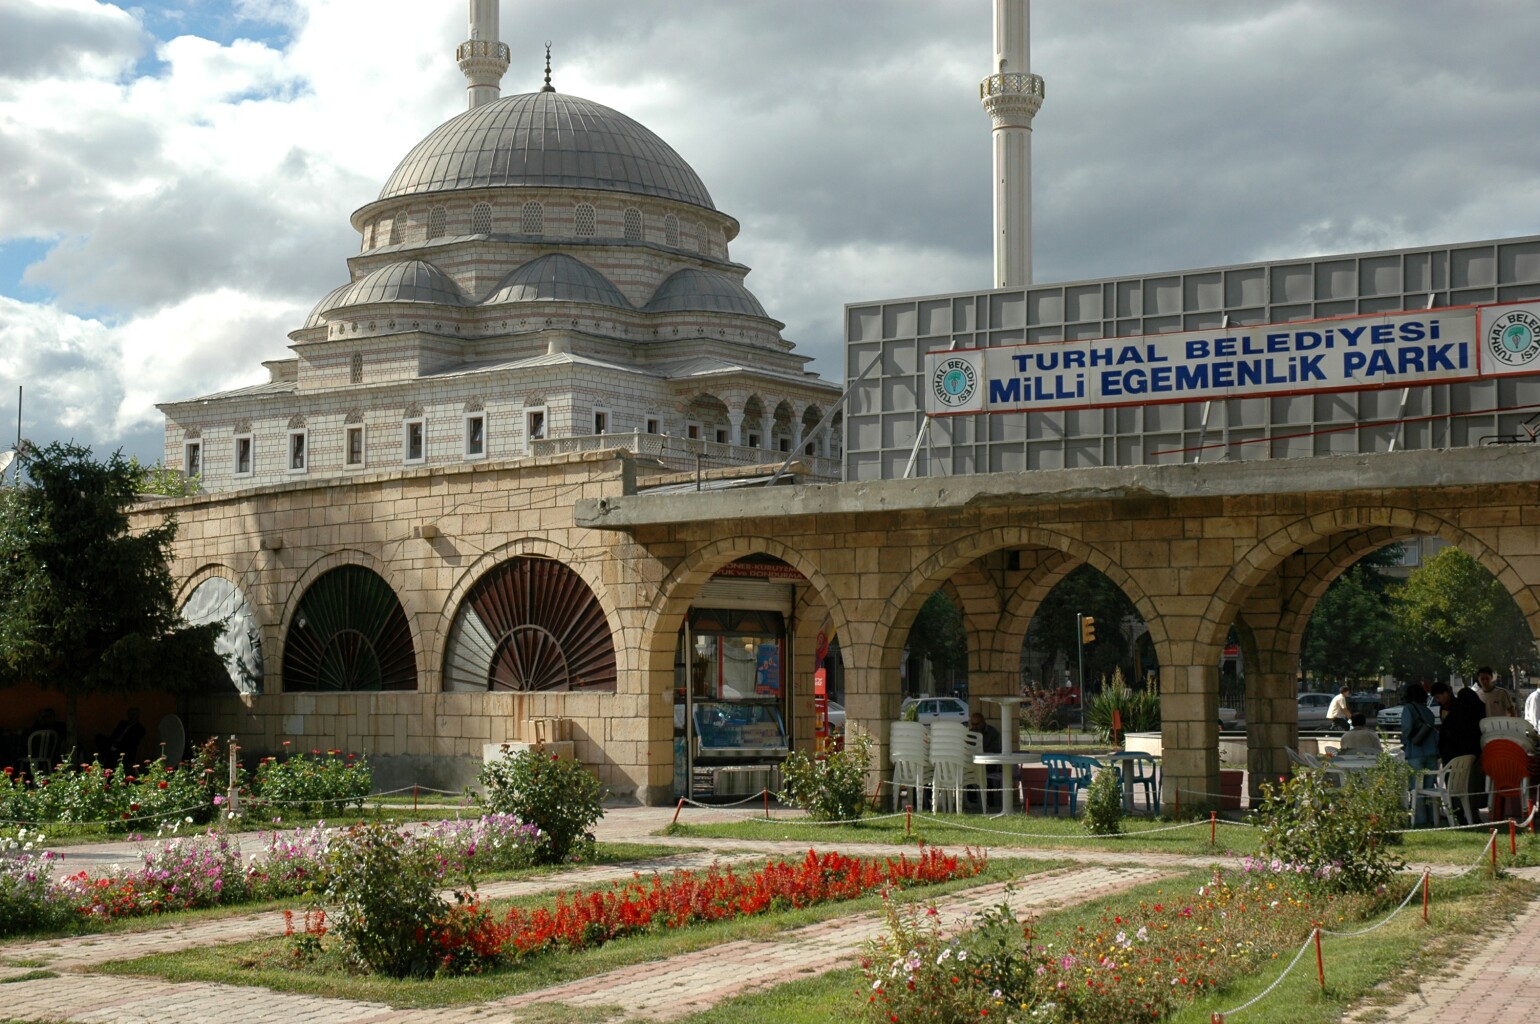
<point x="1384" y="350"/>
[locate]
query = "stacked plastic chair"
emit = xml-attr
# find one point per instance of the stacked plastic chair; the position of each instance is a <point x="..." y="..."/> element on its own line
<point x="951" y="764"/>
<point x="977" y="775"/>
<point x="1458" y="783"/>
<point x="1433" y="786"/>
<point x="907" y="753"/>
<point x="1506" y="763"/>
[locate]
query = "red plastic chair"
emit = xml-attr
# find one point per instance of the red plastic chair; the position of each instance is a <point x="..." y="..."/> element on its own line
<point x="1506" y="764"/>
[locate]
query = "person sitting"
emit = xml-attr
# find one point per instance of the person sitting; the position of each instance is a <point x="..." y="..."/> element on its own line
<point x="123" y="743"/>
<point x="1360" y="737"/>
<point x="990" y="744"/>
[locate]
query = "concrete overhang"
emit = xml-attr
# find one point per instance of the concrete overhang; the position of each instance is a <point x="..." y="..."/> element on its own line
<point x="1458" y="467"/>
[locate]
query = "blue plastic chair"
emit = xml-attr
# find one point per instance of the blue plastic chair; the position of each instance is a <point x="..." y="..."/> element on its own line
<point x="1067" y="773"/>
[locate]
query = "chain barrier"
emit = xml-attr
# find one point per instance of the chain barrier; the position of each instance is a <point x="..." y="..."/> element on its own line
<point x="157" y="816"/>
<point x="1254" y="1000"/>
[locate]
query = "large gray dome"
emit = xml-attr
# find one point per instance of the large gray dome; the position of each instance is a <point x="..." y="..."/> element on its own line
<point x="550" y="140"/>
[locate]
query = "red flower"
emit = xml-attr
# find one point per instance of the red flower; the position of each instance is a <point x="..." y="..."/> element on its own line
<point x="160" y="785"/>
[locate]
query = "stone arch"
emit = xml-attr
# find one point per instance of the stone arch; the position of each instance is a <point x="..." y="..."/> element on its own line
<point x="905" y="601"/>
<point x="1269" y="552"/>
<point x="323" y="564"/>
<point x="665" y="616"/>
<point x="233" y="643"/>
<point x="588" y="569"/>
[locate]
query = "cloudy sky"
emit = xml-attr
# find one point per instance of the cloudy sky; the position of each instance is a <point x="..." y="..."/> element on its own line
<point x="176" y="177"/>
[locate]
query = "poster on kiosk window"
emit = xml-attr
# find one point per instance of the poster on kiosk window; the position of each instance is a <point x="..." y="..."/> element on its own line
<point x="821" y="697"/>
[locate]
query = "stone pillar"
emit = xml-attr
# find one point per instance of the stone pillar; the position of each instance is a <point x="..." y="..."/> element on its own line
<point x="1272" y="717"/>
<point x="1189" y="734"/>
<point x="735" y="427"/>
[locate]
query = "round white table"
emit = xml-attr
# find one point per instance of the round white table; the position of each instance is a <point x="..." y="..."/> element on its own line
<point x="1127" y="775"/>
<point x="1007" y="788"/>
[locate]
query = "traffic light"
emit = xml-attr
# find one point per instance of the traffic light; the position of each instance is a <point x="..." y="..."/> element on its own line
<point x="1087" y="629"/>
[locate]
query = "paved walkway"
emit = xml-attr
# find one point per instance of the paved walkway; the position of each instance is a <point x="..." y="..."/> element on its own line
<point x="661" y="990"/>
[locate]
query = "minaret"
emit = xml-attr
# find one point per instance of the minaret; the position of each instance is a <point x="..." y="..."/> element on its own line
<point x="483" y="59"/>
<point x="1011" y="97"/>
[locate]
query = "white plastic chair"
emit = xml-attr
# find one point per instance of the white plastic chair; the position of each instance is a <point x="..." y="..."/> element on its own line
<point x="950" y="764"/>
<point x="977" y="774"/>
<point x="907" y="754"/>
<point x="1433" y="786"/>
<point x="1458" y="783"/>
<point x="42" y="749"/>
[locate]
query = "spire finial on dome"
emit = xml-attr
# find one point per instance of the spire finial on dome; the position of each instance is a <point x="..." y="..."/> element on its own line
<point x="548" y="87"/>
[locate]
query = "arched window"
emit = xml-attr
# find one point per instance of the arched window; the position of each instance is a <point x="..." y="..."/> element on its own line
<point x="356" y="369"/>
<point x="395" y="229"/>
<point x="481" y="219"/>
<point x="438" y="217"/>
<point x="633" y="225"/>
<point x="671" y="230"/>
<point x="369" y="235"/>
<point x="532" y="219"/>
<point x="703" y="241"/>
<point x="584" y="219"/>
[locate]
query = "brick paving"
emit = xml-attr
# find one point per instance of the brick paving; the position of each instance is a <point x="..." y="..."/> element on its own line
<point x="1499" y="983"/>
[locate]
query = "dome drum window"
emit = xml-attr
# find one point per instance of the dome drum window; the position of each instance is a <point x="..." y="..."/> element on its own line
<point x="633" y="224"/>
<point x="481" y="219"/>
<point x="671" y="231"/>
<point x="532" y="219"/>
<point x="583" y="221"/>
<point x="438" y="220"/>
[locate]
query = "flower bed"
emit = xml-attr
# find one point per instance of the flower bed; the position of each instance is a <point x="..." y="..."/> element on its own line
<point x="1139" y="963"/>
<point x="467" y="938"/>
<point x="205" y="870"/>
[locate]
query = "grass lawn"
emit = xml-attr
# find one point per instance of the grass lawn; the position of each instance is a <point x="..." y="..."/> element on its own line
<point x="1068" y="834"/>
<point x="259" y="962"/>
<point x="63" y="833"/>
<point x="1377" y="968"/>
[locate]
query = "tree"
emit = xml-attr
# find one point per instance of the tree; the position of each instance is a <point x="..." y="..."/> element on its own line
<point x="1352" y="632"/>
<point x="1054" y="628"/>
<point x="938" y="635"/>
<point x="1452" y="616"/>
<point x="86" y="605"/>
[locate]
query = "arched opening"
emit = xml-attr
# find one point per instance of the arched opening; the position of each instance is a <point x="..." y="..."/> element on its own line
<point x="349" y="633"/>
<point x="530" y="624"/>
<point x="936" y="656"/>
<point x="217" y="599"/>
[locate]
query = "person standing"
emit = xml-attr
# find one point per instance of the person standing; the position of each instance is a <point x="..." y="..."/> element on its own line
<point x="1460" y="734"/>
<point x="1498" y="699"/>
<point x="1338" y="711"/>
<point x="1532" y="709"/>
<point x="1419" y="740"/>
<point x="989" y="743"/>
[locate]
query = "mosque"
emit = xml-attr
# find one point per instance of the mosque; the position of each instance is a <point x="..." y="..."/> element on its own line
<point x="465" y="512"/>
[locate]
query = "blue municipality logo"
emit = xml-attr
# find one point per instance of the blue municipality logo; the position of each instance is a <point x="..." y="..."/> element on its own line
<point x="955" y="382"/>
<point x="1514" y="338"/>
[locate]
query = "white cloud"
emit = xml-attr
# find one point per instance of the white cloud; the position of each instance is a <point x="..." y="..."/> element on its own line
<point x="194" y="194"/>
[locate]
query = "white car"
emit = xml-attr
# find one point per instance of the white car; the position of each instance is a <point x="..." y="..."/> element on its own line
<point x="1388" y="719"/>
<point x="837" y="716"/>
<point x="936" y="709"/>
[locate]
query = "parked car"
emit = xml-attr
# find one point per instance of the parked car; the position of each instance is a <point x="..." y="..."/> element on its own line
<point x="936" y="709"/>
<point x="1369" y="703"/>
<point x="1312" y="710"/>
<point x="837" y="716"/>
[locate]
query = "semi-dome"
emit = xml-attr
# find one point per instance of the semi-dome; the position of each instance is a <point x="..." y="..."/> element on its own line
<point x="548" y="140"/>
<point x="557" y="278"/>
<point x="316" y="317"/>
<point x="407" y="281"/>
<point x="707" y="290"/>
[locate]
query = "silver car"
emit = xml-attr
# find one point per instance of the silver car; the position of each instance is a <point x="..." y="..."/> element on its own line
<point x="1312" y="710"/>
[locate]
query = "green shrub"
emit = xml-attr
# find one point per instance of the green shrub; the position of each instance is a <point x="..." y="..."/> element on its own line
<point x="1041" y="711"/>
<point x="1341" y="836"/>
<point x="322" y="782"/>
<point x="560" y="797"/>
<point x="1104" y="804"/>
<point x="831" y="788"/>
<point x="1139" y="709"/>
<point x="382" y="897"/>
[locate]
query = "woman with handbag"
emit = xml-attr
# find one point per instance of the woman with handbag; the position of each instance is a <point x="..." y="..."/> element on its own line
<point x="1419" y="740"/>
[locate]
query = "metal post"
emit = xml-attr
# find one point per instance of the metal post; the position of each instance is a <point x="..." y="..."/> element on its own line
<point x="827" y="417"/>
<point x="1080" y="661"/>
<point x="233" y="789"/>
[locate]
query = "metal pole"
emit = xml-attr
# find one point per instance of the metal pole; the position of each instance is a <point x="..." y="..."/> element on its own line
<point x="1080" y="662"/>
<point x="826" y="418"/>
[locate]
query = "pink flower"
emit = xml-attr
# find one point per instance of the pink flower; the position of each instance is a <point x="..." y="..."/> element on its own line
<point x="218" y="800"/>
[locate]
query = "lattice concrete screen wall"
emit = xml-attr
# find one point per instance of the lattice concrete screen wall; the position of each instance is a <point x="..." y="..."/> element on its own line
<point x="884" y="415"/>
